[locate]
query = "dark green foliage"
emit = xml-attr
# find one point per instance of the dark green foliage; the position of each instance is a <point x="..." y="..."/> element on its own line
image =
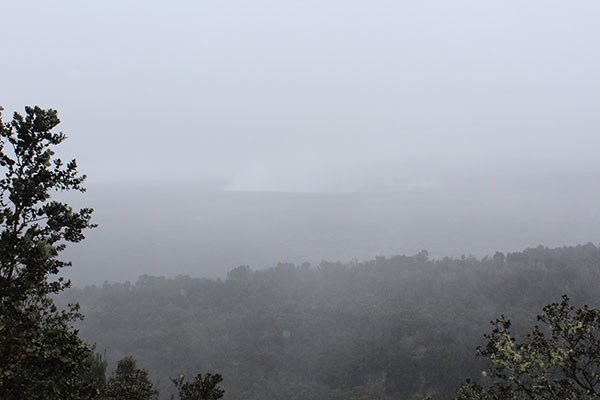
<point x="34" y="228"/>
<point x="201" y="388"/>
<point x="559" y="360"/>
<point x="95" y="370"/>
<point x="41" y="356"/>
<point x="129" y="382"/>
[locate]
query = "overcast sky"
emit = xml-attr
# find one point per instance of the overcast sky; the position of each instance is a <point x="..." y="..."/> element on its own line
<point x="310" y="95"/>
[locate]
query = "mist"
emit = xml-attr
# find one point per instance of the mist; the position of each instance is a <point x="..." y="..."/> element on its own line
<point x="311" y="96"/>
<point x="178" y="229"/>
<point x="398" y="126"/>
<point x="300" y="199"/>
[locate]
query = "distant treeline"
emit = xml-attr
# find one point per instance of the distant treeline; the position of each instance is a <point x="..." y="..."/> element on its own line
<point x="399" y="327"/>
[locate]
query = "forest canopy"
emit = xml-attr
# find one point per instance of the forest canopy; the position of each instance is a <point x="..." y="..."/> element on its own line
<point x="403" y="326"/>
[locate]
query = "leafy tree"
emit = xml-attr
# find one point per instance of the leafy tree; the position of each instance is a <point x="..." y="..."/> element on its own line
<point x="34" y="228"/>
<point x="41" y="356"/>
<point x="558" y="361"/>
<point x="129" y="382"/>
<point x="201" y="388"/>
<point x="95" y="370"/>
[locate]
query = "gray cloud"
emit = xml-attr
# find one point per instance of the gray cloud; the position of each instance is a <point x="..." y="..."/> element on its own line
<point x="311" y="95"/>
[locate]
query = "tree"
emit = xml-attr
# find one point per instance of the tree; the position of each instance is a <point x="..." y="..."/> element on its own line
<point x="129" y="382"/>
<point x="201" y="388"/>
<point x="41" y="356"/>
<point x="95" y="370"/>
<point x="560" y="360"/>
<point x="34" y="228"/>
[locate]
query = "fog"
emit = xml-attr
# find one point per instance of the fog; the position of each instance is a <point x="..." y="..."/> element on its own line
<point x="177" y="229"/>
<point x="219" y="133"/>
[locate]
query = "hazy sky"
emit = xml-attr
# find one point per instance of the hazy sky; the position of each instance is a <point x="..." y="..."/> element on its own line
<point x="310" y="95"/>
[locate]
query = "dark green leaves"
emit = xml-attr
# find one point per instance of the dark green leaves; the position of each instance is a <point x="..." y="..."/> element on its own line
<point x="129" y="382"/>
<point x="201" y="388"/>
<point x="41" y="355"/>
<point x="33" y="227"/>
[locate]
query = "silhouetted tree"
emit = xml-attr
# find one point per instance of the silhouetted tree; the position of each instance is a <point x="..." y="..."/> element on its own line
<point x="201" y="388"/>
<point x="129" y="382"/>
<point x="41" y="356"/>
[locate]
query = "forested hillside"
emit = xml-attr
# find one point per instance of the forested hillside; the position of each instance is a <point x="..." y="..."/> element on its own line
<point x="398" y="327"/>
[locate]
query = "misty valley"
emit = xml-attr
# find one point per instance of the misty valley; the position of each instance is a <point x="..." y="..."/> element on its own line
<point x="388" y="327"/>
<point x="300" y="200"/>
